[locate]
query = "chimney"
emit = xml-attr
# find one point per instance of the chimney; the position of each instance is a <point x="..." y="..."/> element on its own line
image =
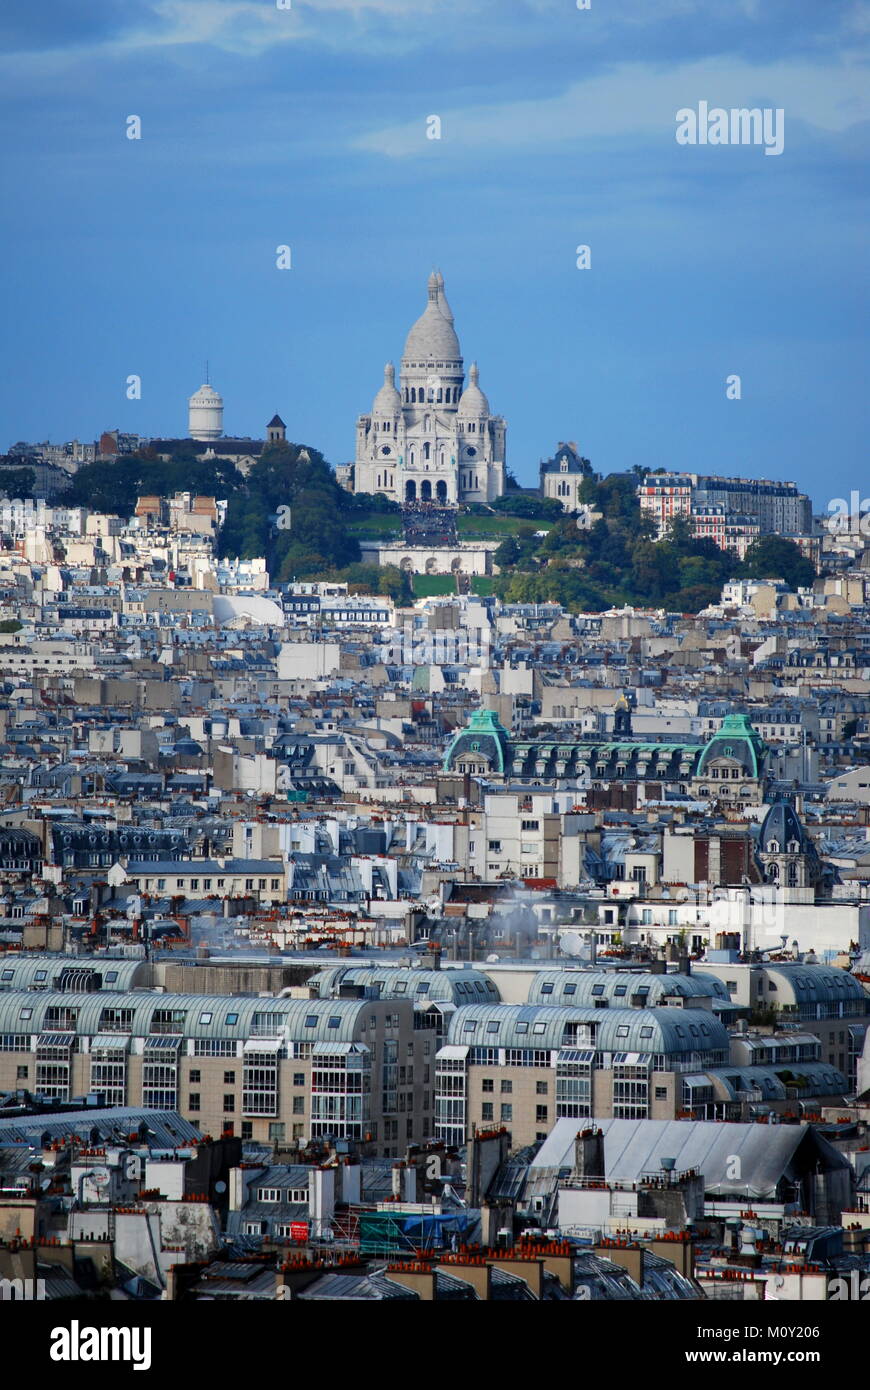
<point x="589" y="1154"/>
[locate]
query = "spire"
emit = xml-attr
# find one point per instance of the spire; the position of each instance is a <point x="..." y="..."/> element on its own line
<point x="474" y="374"/>
<point x="388" y="401"/>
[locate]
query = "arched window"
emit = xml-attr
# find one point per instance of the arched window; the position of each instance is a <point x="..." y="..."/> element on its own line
<point x="426" y="449"/>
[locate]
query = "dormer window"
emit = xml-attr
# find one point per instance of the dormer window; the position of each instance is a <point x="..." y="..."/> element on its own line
<point x="563" y="464"/>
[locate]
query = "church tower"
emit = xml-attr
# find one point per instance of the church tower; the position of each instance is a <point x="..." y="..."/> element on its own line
<point x="788" y="857"/>
<point x="431" y="439"/>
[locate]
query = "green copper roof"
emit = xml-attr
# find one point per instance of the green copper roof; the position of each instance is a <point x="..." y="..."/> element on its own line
<point x="482" y="724"/>
<point x="735" y="728"/>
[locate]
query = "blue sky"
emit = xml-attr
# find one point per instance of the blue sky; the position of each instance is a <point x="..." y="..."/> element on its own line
<point x="307" y="127"/>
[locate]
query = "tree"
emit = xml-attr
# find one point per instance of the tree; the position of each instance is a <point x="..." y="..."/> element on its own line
<point x="17" y="482"/>
<point x="507" y="553"/>
<point x="776" y="557"/>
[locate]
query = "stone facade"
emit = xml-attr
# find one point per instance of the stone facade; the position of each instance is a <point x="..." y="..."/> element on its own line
<point x="432" y="438"/>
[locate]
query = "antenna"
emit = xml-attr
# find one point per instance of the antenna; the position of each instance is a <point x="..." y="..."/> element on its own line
<point x="206" y="372"/>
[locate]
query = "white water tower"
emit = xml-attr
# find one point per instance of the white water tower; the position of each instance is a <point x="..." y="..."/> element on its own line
<point x="205" y="414"/>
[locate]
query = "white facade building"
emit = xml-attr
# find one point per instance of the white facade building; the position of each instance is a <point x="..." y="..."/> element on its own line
<point x="431" y="439"/>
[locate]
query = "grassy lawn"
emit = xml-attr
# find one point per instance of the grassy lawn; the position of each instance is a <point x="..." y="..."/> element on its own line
<point x="430" y="585"/>
<point x="495" y="527"/>
<point x="482" y="586"/>
<point x="375" y="526"/>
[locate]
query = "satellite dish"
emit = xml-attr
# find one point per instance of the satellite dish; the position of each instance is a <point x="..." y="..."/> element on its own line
<point x="571" y="943"/>
<point x="220" y="1187"/>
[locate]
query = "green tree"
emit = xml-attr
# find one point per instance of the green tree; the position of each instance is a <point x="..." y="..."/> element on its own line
<point x="776" y="557"/>
<point x="17" y="482"/>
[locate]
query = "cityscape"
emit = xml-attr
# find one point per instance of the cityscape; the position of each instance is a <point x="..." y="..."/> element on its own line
<point x="431" y="871"/>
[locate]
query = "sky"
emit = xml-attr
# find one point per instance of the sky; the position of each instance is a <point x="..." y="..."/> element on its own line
<point x="307" y="126"/>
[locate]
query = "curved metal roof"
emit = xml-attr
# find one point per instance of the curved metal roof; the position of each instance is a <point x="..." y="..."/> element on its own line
<point x="421" y="986"/>
<point x="582" y="987"/>
<point x="816" y="984"/>
<point x="618" y="1030"/>
<point x="42" y="969"/>
<point x="199" y="1015"/>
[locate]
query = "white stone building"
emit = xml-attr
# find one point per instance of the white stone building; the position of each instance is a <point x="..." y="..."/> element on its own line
<point x="432" y="438"/>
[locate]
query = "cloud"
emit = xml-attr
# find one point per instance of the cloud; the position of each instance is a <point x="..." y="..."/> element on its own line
<point x="632" y="99"/>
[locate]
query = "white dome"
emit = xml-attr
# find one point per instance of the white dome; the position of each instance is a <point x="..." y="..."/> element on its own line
<point x="206" y="395"/>
<point x="473" y="401"/>
<point x="433" y="337"/>
<point x="257" y="609"/>
<point x="388" y="401"/>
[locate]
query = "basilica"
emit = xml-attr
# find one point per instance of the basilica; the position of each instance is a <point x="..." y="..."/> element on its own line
<point x="432" y="437"/>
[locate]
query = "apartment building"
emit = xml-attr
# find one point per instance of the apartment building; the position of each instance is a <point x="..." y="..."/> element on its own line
<point x="525" y="1066"/>
<point x="829" y="1003"/>
<point x="264" y="1069"/>
<point x="775" y="506"/>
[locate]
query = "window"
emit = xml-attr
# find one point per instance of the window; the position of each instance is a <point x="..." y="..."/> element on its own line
<point x="268" y="1194"/>
<point x="486" y="1110"/>
<point x="507" y="1112"/>
<point x="26" y="1013"/>
<point x="247" y="1129"/>
<point x="542" y="1088"/>
<point x="541" y="1114"/>
<point x="232" y="1020"/>
<point x="507" y="1087"/>
<point x="193" y="1101"/>
<point x="205" y="1019"/>
<point x="22" y="1073"/>
<point x="229" y="1102"/>
<point x="311" y="1021"/>
<point x="195" y="1077"/>
<point x="487" y="1084"/>
<point x="299" y="1078"/>
<point x="298" y="1105"/>
<point x="229" y="1078"/>
<point x="661" y="1092"/>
